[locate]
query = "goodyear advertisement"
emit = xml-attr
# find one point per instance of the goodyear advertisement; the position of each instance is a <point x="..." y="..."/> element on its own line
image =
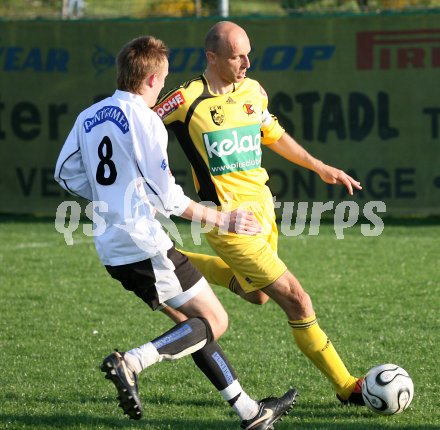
<point x="360" y="93"/>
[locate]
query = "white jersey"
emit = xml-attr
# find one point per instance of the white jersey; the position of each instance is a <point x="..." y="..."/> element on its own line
<point x="116" y="156"/>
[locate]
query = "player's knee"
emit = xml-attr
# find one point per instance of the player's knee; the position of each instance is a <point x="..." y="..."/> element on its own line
<point x="174" y="314"/>
<point x="256" y="297"/>
<point x="219" y="323"/>
<point x="306" y="301"/>
<point x="297" y="294"/>
<point x="301" y="302"/>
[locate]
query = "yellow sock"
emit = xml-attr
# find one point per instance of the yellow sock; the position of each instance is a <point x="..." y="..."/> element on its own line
<point x="314" y="343"/>
<point x="213" y="268"/>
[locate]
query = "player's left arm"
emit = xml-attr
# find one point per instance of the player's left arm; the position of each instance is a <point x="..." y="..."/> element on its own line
<point x="291" y="150"/>
<point x="70" y="171"/>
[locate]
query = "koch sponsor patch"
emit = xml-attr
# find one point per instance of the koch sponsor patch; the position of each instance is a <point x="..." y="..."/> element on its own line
<point x="170" y="104"/>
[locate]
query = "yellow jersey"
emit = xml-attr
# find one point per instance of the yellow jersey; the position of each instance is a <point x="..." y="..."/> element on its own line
<point x="221" y="135"/>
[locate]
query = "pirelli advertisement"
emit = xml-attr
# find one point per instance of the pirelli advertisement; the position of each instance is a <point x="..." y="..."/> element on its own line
<point x="360" y="93"/>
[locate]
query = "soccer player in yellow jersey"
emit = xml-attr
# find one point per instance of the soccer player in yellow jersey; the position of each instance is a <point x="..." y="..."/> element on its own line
<point x="221" y="120"/>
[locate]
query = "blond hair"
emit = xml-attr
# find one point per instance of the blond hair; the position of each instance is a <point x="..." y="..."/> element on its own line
<point x="138" y="59"/>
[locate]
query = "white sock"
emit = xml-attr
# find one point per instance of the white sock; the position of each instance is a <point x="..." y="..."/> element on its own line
<point x="132" y="362"/>
<point x="244" y="406"/>
<point x="143" y="356"/>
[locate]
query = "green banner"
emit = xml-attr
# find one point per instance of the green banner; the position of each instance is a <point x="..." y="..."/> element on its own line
<point x="360" y="93"/>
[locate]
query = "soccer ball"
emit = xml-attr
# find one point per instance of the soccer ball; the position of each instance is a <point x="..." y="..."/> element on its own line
<point x="387" y="389"/>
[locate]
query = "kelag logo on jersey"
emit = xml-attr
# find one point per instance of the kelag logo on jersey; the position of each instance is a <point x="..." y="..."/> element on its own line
<point x="233" y="150"/>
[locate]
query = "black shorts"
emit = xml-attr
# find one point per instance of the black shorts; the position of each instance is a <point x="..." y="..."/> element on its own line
<point x="166" y="279"/>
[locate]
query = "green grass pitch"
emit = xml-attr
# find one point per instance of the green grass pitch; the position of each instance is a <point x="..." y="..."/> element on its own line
<point x="60" y="313"/>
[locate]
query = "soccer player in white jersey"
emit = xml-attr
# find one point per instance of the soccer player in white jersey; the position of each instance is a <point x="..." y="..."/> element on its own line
<point x="116" y="156"/>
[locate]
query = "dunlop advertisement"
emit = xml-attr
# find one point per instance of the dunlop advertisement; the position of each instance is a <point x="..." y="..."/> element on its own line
<point x="360" y="93"/>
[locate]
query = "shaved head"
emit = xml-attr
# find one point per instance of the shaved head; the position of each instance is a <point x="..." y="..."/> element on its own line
<point x="227" y="49"/>
<point x="223" y="34"/>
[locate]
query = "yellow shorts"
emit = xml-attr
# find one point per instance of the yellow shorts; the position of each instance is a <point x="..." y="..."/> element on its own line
<point x="253" y="259"/>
